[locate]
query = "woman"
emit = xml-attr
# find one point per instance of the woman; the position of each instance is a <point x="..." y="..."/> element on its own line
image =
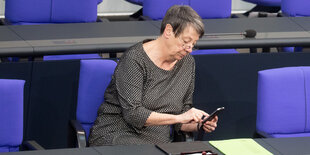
<point x="152" y="87"/>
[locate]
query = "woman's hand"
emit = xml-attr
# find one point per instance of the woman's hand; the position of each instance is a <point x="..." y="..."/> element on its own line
<point x="191" y="115"/>
<point x="210" y="126"/>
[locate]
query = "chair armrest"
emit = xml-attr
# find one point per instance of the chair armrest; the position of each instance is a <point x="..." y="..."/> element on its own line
<point x="263" y="134"/>
<point x="79" y="135"/>
<point x="31" y="145"/>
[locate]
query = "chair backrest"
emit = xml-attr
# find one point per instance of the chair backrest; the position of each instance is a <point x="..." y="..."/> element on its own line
<point x="265" y="2"/>
<point x="138" y="2"/>
<point x="283" y="101"/>
<point x="21" y="12"/>
<point x="95" y="76"/>
<point x="71" y="57"/>
<point x="295" y="8"/>
<point x="156" y="9"/>
<point x="11" y="114"/>
<point x="211" y="9"/>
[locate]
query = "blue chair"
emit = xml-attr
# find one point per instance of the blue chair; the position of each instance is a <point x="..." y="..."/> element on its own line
<point x="95" y="76"/>
<point x="156" y="9"/>
<point x="30" y="12"/>
<point x="295" y="8"/>
<point x="33" y="12"/>
<point x="208" y="9"/>
<point x="283" y="102"/>
<point x="137" y="2"/>
<point x="271" y="6"/>
<point x="11" y="114"/>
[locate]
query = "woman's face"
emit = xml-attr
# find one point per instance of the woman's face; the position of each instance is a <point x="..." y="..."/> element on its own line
<point x="184" y="43"/>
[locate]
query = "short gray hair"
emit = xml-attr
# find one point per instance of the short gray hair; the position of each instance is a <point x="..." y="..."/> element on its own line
<point x="181" y="16"/>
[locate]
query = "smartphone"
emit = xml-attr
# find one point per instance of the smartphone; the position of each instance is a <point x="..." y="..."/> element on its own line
<point x="209" y="118"/>
<point x="213" y="114"/>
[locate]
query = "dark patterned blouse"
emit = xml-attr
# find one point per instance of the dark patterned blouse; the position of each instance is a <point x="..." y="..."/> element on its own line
<point x="138" y="87"/>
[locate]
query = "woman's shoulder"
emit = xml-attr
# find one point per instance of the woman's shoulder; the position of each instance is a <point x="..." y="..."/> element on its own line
<point x="189" y="59"/>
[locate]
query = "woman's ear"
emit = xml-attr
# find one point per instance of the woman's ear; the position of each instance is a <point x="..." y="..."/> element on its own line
<point x="168" y="32"/>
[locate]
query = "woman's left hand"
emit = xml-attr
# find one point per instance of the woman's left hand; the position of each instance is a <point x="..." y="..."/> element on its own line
<point x="210" y="126"/>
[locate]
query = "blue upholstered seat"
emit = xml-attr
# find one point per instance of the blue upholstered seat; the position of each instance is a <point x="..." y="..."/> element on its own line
<point x="34" y="12"/>
<point x="11" y="114"/>
<point x="19" y="12"/>
<point x="156" y="9"/>
<point x="283" y="103"/>
<point x="95" y="76"/>
<point x="208" y="9"/>
<point x="137" y="2"/>
<point x="296" y="8"/>
<point x="265" y="2"/>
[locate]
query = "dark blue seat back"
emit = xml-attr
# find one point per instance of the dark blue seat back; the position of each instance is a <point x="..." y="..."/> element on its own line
<point x="209" y="9"/>
<point x="95" y="76"/>
<point x="265" y="2"/>
<point x="137" y="2"/>
<point x="11" y="114"/>
<point x="295" y="8"/>
<point x="156" y="9"/>
<point x="20" y="12"/>
<point x="35" y="12"/>
<point x="283" y="102"/>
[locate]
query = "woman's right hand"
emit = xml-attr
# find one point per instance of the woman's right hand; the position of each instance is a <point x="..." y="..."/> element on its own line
<point x="191" y="115"/>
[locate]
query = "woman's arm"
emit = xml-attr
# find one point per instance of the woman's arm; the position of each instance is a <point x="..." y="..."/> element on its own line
<point x="192" y="115"/>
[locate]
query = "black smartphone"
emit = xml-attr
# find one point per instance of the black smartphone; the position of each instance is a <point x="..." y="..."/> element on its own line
<point x="209" y="118"/>
<point x="213" y="114"/>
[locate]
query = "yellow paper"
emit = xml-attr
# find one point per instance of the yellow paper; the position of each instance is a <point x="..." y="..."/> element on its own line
<point x="243" y="146"/>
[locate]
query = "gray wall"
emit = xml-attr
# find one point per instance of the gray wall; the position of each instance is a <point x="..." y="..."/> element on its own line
<point x="121" y="7"/>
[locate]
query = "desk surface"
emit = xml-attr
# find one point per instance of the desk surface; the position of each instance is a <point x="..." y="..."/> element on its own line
<point x="283" y="146"/>
<point x="118" y="36"/>
<point x="11" y="43"/>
